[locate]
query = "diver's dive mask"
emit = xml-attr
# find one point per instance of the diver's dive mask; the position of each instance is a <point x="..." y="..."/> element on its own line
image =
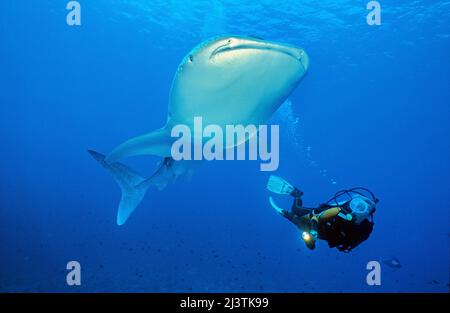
<point x="362" y="208"/>
<point x="360" y="203"/>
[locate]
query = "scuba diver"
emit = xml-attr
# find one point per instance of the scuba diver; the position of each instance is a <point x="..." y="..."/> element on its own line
<point x="343" y="224"/>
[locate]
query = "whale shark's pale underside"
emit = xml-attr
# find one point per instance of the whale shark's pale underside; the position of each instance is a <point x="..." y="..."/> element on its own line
<point x="226" y="80"/>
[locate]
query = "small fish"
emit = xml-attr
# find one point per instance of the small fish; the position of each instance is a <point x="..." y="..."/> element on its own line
<point x="392" y="262"/>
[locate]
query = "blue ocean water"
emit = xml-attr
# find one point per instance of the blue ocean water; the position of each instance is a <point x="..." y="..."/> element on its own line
<point x="373" y="111"/>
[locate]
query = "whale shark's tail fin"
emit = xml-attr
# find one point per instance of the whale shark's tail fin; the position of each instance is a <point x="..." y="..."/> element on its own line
<point x="129" y="182"/>
<point x="134" y="186"/>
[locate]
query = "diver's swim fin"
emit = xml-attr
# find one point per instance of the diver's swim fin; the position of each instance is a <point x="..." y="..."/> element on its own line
<point x="275" y="206"/>
<point x="280" y="186"/>
<point x="130" y="183"/>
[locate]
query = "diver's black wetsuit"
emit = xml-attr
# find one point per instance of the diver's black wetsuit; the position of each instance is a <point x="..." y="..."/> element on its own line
<point x="345" y="235"/>
<point x="297" y="209"/>
<point x="338" y="232"/>
<point x="298" y="214"/>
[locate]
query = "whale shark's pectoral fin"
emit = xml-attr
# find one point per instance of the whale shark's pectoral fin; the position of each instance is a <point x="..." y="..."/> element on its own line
<point x="130" y="184"/>
<point x="156" y="143"/>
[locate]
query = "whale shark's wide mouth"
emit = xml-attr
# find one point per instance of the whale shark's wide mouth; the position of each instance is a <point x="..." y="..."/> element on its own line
<point x="297" y="54"/>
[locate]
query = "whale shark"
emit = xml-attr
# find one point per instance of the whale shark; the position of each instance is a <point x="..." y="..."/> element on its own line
<point x="225" y="80"/>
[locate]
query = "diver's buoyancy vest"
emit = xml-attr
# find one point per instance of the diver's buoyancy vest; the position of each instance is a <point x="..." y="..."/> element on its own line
<point x="344" y="233"/>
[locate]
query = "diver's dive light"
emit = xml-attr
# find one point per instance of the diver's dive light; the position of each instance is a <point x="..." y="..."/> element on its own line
<point x="306" y="236"/>
<point x="310" y="239"/>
